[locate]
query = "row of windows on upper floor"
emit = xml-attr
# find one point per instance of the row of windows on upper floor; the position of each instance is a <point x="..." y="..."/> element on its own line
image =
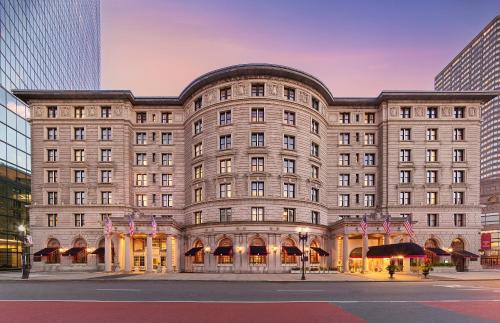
<point x="432" y="134"/>
<point x="106" y="176"/>
<point x="431" y="113"/>
<point x="431" y="176"/>
<point x="405" y="198"/>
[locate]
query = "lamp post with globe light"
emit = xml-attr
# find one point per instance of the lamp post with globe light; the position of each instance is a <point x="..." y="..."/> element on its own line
<point x="303" y="238"/>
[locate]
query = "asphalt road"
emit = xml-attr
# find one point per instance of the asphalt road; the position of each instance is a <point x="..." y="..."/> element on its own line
<point x="204" y="301"/>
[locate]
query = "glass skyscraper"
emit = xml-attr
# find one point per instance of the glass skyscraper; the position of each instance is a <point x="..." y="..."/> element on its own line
<point x="52" y="44"/>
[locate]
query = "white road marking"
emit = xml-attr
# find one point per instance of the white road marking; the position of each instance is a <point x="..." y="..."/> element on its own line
<point x="300" y="290"/>
<point x="250" y="302"/>
<point x="118" y="289"/>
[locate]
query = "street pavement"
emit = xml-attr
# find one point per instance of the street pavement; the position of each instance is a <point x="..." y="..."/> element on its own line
<point x="108" y="300"/>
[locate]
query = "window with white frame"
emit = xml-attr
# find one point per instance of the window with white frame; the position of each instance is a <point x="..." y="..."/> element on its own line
<point x="289" y="190"/>
<point x="198" y="171"/>
<point x="257" y="214"/>
<point x="225" y="118"/>
<point x="225" y="166"/>
<point x="369" y="180"/>
<point x="106" y="155"/>
<point x="288" y="166"/>
<point x="167" y="138"/>
<point x="257" y="188"/>
<point x="405" y="176"/>
<point x="225" y="142"/>
<point x="369" y="200"/>
<point x="198" y="194"/>
<point x="344" y="200"/>
<point x="257" y="139"/>
<point x="404" y="198"/>
<point x="458" y="198"/>
<point x="431" y="198"/>
<point x="458" y="176"/>
<point x="166" y="159"/>
<point x="106" y="197"/>
<point x="106" y="176"/>
<point x="225" y="190"/>
<point x="289" y="118"/>
<point x="431" y="176"/>
<point x="344" y="180"/>
<point x="405" y="155"/>
<point x="166" y="200"/>
<point x="167" y="179"/>
<point x="405" y="134"/>
<point x="198" y="126"/>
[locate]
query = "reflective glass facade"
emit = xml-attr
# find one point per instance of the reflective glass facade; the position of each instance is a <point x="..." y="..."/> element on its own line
<point x="43" y="45"/>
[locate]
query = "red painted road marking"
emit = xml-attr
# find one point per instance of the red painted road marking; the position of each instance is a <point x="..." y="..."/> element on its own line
<point x="110" y="312"/>
<point x="481" y="309"/>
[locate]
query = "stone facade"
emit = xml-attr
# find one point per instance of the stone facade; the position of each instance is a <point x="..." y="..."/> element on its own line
<point x="232" y="209"/>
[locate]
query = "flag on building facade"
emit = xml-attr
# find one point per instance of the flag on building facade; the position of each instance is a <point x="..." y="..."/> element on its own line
<point x="364" y="225"/>
<point x="131" y="226"/>
<point x="409" y="228"/>
<point x="108" y="226"/>
<point x="387" y="225"/>
<point x="154" y="226"/>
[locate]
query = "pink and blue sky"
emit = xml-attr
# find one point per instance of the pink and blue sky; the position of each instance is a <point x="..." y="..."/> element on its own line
<point x="357" y="48"/>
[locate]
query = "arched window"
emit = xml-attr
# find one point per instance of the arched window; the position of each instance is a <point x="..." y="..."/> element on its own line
<point x="53" y="257"/>
<point x="430" y="245"/>
<point x="314" y="256"/>
<point x="100" y="254"/>
<point x="79" y="251"/>
<point x="199" y="256"/>
<point x="457" y="244"/>
<point x="287" y="254"/>
<point x="224" y="252"/>
<point x="258" y="252"/>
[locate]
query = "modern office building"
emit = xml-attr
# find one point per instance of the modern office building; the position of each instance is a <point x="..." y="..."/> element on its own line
<point x="225" y="176"/>
<point x="43" y="45"/>
<point x="477" y="68"/>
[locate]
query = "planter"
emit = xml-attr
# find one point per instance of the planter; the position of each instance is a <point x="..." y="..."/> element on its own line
<point x="391" y="274"/>
<point x="425" y="273"/>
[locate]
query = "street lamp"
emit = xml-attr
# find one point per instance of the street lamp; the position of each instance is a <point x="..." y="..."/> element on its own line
<point x="24" y="256"/>
<point x="303" y="239"/>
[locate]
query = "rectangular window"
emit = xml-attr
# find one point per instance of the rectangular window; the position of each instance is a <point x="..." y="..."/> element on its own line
<point x="79" y="133"/>
<point x="431" y="198"/>
<point x="405" y="155"/>
<point x="106" y="155"/>
<point x="140" y="138"/>
<point x="140" y="159"/>
<point x="225" y="142"/>
<point x="458" y="155"/>
<point x="198" y="149"/>
<point x="431" y="176"/>
<point x="257" y="139"/>
<point x="458" y="134"/>
<point x="78" y="112"/>
<point x="141" y="117"/>
<point x="405" y="176"/>
<point x="344" y="200"/>
<point x="225" y="118"/>
<point x="167" y="138"/>
<point x="315" y="127"/>
<point x="167" y="179"/>
<point x="369" y="200"/>
<point x="314" y="194"/>
<point x="106" y="197"/>
<point x="369" y="117"/>
<point x="225" y="166"/>
<point x="405" y="112"/>
<point x="105" y="112"/>
<point x="225" y="214"/>
<point x="198" y="172"/>
<point x="257" y="188"/>
<point x="257" y="164"/>
<point x="288" y="166"/>
<point x="225" y="93"/>
<point x="106" y="176"/>
<point x="52" y="133"/>
<point x="52" y="155"/>
<point x="52" y="220"/>
<point x="370" y="159"/>
<point x="257" y="89"/>
<point x="141" y="179"/>
<point x="198" y="103"/>
<point x="198" y="194"/>
<point x="344" y="180"/>
<point x="432" y="220"/>
<point x="315" y="217"/>
<point x="167" y="159"/>
<point x="458" y="176"/>
<point x="257" y="115"/>
<point x="432" y="134"/>
<point x="404" y="198"/>
<point x="225" y="190"/>
<point x="166" y="200"/>
<point x="369" y="180"/>
<point x="369" y="139"/>
<point x="52" y="176"/>
<point x="289" y="215"/>
<point x="458" y="198"/>
<point x="432" y="113"/>
<point x="431" y="155"/>
<point x="166" y="117"/>
<point x="79" y="198"/>
<point x="314" y="171"/>
<point x="257" y="214"/>
<point x="198" y="127"/>
<point x="141" y="200"/>
<point x="315" y="150"/>
<point x="197" y="217"/>
<point x="344" y="138"/>
<point x="51" y="112"/>
<point x="344" y="159"/>
<point x="79" y="176"/>
<point x="79" y="155"/>
<point x="345" y="117"/>
<point x="289" y="142"/>
<point x="315" y="104"/>
<point x="405" y="134"/>
<point x="459" y="112"/>
<point x="52" y="198"/>
<point x="290" y="93"/>
<point x="459" y="219"/>
<point x="289" y="118"/>
<point x="106" y="133"/>
<point x="79" y="219"/>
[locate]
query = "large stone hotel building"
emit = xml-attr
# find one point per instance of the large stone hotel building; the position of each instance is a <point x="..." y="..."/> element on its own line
<point x="241" y="161"/>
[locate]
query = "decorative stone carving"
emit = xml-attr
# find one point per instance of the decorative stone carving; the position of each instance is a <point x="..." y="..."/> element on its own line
<point x="38" y="112"/>
<point x="272" y="89"/>
<point x="92" y="111"/>
<point x="210" y="97"/>
<point x="446" y="111"/>
<point x="393" y="112"/>
<point x="472" y="111"/>
<point x="303" y="97"/>
<point x="117" y="110"/>
<point x="420" y="111"/>
<point x="65" y="111"/>
<point x="240" y="89"/>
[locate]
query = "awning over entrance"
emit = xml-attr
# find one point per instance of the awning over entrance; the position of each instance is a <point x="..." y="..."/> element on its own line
<point x="321" y="252"/>
<point x="73" y="251"/>
<point x="406" y="249"/>
<point x="356" y="253"/>
<point x="192" y="251"/>
<point x="438" y="251"/>
<point x="223" y="251"/>
<point x="258" y="250"/>
<point x="464" y="253"/>
<point x="45" y="252"/>
<point x="98" y="251"/>
<point x="292" y="251"/>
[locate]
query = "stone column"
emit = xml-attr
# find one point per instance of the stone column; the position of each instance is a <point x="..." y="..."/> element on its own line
<point x="108" y="252"/>
<point x="177" y="258"/>
<point x="406" y="265"/>
<point x="128" y="253"/>
<point x="277" y="254"/>
<point x="334" y="254"/>
<point x="168" y="256"/>
<point x="345" y="253"/>
<point x="387" y="239"/>
<point x="149" y="254"/>
<point x="364" y="252"/>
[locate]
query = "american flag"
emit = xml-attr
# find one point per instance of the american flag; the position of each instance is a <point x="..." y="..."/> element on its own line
<point x="387" y="225"/>
<point x="364" y="225"/>
<point x="108" y="226"/>
<point x="409" y="228"/>
<point x="154" y="226"/>
<point x="131" y="226"/>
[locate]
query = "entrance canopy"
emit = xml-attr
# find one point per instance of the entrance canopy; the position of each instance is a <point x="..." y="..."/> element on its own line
<point x="192" y="251"/>
<point x="292" y="251"/>
<point x="406" y="249"/>
<point x="98" y="251"/>
<point x="464" y="253"/>
<point x="223" y="251"/>
<point x="438" y="251"/>
<point x="321" y="252"/>
<point x="258" y="250"/>
<point x="73" y="251"/>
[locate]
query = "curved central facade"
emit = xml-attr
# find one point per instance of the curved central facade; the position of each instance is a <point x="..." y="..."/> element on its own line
<point x="232" y="169"/>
